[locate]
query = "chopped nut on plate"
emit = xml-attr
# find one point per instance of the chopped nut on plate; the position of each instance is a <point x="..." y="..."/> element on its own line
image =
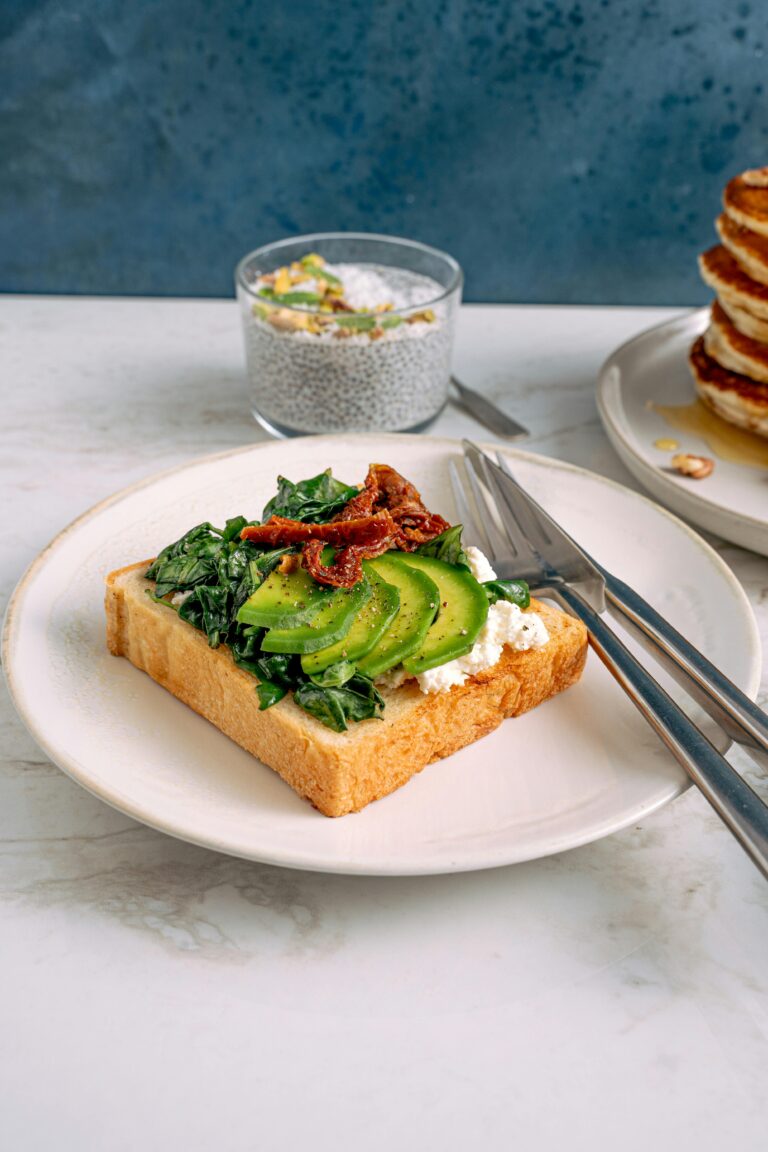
<point x="695" y="467"/>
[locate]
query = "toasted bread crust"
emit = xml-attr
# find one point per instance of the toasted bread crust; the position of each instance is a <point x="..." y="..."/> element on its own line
<point x="337" y="772"/>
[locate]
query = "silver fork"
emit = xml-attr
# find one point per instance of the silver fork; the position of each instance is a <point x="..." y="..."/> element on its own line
<point x="504" y="529"/>
<point x="737" y="717"/>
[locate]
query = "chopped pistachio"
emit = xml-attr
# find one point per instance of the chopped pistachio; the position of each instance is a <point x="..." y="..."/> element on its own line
<point x="358" y="321"/>
<point x="327" y="302"/>
<point x="320" y="271"/>
<point x="290" y="299"/>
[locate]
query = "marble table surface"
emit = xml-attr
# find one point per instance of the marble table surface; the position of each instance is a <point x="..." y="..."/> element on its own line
<point x="155" y="995"/>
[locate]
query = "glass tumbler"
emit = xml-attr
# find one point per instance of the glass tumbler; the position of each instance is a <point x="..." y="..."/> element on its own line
<point x="348" y="332"/>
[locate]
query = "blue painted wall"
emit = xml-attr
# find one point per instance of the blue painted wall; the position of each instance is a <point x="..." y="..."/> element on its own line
<point x="562" y="151"/>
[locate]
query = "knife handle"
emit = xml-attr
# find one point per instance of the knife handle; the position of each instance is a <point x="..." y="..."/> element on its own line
<point x="738" y="716"/>
<point x="735" y="802"/>
<point x="488" y="413"/>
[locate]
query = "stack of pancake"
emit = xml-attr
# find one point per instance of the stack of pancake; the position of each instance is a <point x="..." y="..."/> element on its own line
<point x="730" y="361"/>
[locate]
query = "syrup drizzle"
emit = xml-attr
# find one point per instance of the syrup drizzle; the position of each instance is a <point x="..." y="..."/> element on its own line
<point x="725" y="440"/>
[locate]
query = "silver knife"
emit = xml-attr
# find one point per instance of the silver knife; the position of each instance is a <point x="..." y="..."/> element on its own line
<point x="739" y="717"/>
<point x="559" y="568"/>
<point x="488" y="413"/>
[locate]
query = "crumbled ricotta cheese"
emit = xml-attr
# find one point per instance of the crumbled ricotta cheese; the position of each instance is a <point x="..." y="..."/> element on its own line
<point x="479" y="565"/>
<point x="393" y="678"/>
<point x="178" y="598"/>
<point x="506" y="625"/>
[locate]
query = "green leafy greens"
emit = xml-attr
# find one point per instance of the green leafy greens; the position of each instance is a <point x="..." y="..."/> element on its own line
<point x="211" y="572"/>
<point x="516" y="591"/>
<point x="315" y="501"/>
<point x="446" y="547"/>
<point x="358" y="699"/>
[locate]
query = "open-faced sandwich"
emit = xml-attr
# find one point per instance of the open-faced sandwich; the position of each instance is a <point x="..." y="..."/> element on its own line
<point x="347" y="639"/>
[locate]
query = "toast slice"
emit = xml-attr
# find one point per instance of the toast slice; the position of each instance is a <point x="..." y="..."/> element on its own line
<point x="338" y="772"/>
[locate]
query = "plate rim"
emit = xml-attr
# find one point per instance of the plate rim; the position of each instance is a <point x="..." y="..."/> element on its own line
<point x="614" y="430"/>
<point x="291" y="858"/>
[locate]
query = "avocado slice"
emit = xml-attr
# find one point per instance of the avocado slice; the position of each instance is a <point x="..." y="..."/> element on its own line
<point x="326" y="625"/>
<point x="419" y="599"/>
<point x="285" y="600"/>
<point x="462" y="613"/>
<point x="367" y="627"/>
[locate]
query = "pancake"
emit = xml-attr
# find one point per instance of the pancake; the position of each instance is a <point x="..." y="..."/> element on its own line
<point x="749" y="249"/>
<point x="745" y="322"/>
<point x="746" y="200"/>
<point x="719" y="269"/>
<point x="733" y="350"/>
<point x="733" y="397"/>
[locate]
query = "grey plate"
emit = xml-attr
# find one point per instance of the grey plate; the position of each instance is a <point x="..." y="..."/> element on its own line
<point x="653" y="369"/>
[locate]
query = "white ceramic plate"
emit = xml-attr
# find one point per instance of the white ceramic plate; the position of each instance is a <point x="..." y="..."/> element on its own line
<point x="579" y="767"/>
<point x="653" y="369"/>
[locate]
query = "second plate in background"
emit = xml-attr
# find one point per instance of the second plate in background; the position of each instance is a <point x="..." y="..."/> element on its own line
<point x="647" y="373"/>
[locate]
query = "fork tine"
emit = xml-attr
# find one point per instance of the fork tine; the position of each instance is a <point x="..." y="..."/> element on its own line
<point x="513" y="523"/>
<point x="520" y="509"/>
<point x="499" y="541"/>
<point x="472" y="524"/>
<point x="513" y="528"/>
<point x="534" y="525"/>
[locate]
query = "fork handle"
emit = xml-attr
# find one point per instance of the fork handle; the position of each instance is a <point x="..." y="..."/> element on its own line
<point x="737" y="715"/>
<point x="735" y="802"/>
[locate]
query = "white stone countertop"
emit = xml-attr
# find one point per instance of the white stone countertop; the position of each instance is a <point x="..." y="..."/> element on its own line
<point x="155" y="995"/>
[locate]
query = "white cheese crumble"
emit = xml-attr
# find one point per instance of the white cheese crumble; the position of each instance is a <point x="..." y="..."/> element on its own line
<point x="178" y="598"/>
<point x="508" y="625"/>
<point x="393" y="679"/>
<point x="479" y="565"/>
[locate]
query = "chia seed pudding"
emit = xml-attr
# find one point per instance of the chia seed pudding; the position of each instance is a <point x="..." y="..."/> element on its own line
<point x="347" y="346"/>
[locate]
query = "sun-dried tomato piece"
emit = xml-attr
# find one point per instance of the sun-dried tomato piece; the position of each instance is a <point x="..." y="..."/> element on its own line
<point x="347" y="566"/>
<point x="279" y="531"/>
<point x="385" y="489"/>
<point x="363" y="503"/>
<point x="388" y="512"/>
